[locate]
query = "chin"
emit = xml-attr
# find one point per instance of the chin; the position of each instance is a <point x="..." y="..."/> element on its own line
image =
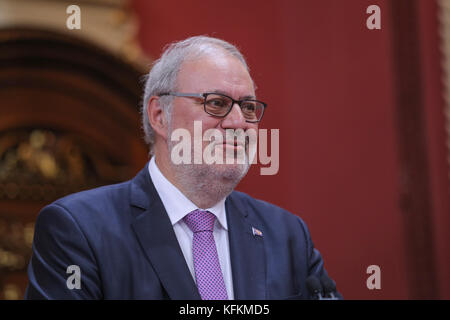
<point x="231" y="172"/>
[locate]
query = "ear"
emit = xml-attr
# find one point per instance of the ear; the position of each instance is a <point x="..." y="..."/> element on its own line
<point x="157" y="117"/>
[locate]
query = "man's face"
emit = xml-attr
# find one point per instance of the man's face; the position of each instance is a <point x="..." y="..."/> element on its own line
<point x="221" y="73"/>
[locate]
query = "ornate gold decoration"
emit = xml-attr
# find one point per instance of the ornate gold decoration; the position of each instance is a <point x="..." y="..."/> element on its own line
<point x="44" y="165"/>
<point x="15" y="244"/>
<point x="11" y="292"/>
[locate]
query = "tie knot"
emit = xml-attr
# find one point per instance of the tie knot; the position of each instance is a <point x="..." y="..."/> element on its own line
<point x="200" y="220"/>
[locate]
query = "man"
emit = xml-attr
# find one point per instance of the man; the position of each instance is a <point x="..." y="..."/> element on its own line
<point x="178" y="231"/>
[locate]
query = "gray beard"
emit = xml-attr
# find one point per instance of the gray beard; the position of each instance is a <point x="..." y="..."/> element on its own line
<point x="207" y="184"/>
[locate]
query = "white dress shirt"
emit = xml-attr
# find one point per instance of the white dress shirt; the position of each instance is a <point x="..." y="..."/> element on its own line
<point x="177" y="206"/>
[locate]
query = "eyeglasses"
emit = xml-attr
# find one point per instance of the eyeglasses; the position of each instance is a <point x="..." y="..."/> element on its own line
<point x="220" y="105"/>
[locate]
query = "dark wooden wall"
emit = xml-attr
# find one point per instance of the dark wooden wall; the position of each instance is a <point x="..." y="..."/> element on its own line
<point x="69" y="120"/>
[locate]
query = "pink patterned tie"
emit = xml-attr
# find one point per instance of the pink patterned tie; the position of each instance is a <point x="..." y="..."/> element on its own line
<point x="208" y="274"/>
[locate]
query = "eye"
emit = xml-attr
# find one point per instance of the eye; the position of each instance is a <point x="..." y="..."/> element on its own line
<point x="217" y="102"/>
<point x="248" y="107"/>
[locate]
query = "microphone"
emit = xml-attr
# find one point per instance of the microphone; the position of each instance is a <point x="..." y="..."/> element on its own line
<point x="323" y="289"/>
<point x="314" y="287"/>
<point x="329" y="287"/>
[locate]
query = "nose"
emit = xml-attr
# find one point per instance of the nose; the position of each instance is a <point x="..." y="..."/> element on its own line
<point x="235" y="119"/>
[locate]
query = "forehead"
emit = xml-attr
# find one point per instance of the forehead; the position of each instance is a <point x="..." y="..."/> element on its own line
<point x="220" y="71"/>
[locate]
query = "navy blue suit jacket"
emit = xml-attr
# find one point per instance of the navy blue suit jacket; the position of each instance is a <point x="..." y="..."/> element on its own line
<point x="121" y="238"/>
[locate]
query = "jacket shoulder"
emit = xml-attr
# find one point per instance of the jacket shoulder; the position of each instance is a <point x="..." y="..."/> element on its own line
<point x="96" y="204"/>
<point x="95" y="195"/>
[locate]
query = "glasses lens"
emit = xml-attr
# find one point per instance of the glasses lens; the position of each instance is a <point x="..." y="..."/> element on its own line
<point x="252" y="110"/>
<point x="217" y="105"/>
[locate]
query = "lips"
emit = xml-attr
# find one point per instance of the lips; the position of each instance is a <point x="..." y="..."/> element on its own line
<point x="231" y="144"/>
<point x="236" y="144"/>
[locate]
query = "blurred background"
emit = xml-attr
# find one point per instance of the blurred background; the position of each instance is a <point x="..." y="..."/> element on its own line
<point x="364" y="119"/>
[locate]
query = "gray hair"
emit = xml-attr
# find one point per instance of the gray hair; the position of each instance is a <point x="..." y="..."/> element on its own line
<point x="163" y="75"/>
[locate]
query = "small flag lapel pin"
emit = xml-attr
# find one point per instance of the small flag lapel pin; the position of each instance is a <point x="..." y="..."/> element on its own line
<point x="257" y="232"/>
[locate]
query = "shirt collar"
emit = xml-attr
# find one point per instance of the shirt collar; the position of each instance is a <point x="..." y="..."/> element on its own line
<point x="176" y="203"/>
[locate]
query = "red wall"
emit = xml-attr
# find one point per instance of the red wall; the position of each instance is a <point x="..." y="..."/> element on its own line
<point x="329" y="85"/>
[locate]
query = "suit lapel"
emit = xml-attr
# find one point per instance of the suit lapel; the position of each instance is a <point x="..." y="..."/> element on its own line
<point x="246" y="254"/>
<point x="157" y="238"/>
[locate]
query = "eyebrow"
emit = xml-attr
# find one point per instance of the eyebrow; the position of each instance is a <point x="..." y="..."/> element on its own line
<point x="249" y="97"/>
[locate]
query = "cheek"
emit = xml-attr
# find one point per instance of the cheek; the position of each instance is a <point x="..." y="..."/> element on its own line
<point x="185" y="118"/>
<point x="182" y="117"/>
